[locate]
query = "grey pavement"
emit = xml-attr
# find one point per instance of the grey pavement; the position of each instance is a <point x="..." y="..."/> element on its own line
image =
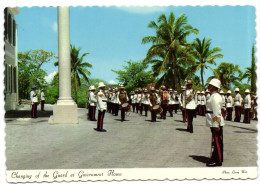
<point x="135" y="143"/>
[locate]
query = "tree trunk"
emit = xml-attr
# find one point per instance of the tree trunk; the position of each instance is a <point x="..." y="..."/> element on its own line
<point x="253" y="72"/>
<point x="202" y="80"/>
<point x="174" y="70"/>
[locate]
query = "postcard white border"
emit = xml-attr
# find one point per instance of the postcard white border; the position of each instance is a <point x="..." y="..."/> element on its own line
<point x="29" y="3"/>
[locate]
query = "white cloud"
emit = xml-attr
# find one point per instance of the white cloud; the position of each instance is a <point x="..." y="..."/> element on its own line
<point x="112" y="82"/>
<point x="143" y="9"/>
<point x="50" y="77"/>
<point x="54" y="26"/>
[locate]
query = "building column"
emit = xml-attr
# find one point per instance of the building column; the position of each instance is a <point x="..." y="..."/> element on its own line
<point x="65" y="111"/>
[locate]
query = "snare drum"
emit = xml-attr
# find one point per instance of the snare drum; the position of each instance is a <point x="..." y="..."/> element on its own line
<point x="158" y="109"/>
<point x="126" y="107"/>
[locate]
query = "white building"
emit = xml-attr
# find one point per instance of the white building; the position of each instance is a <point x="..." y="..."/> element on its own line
<point x="10" y="62"/>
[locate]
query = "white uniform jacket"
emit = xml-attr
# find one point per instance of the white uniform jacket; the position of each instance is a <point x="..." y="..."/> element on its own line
<point x="247" y="102"/>
<point x="223" y="106"/>
<point x="207" y="96"/>
<point x="138" y="98"/>
<point x="192" y="104"/>
<point x="116" y="100"/>
<point x="42" y="96"/>
<point x="176" y="96"/>
<point x="92" y="99"/>
<point x="135" y="98"/>
<point x="171" y="99"/>
<point x="33" y="96"/>
<point x="181" y="99"/>
<point x="203" y="100"/>
<point x="198" y="102"/>
<point x="214" y="106"/>
<point x="132" y="99"/>
<point x="101" y="101"/>
<point x="229" y="101"/>
<point x="146" y="99"/>
<point x="238" y="100"/>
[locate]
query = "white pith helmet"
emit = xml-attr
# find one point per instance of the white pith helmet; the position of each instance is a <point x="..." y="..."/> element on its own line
<point x="215" y="82"/>
<point x="228" y="92"/>
<point x="101" y="84"/>
<point x="92" y="87"/>
<point x="202" y="92"/>
<point x="247" y="91"/>
<point x="237" y="89"/>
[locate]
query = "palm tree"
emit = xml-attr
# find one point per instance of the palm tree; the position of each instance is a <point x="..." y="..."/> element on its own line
<point x="253" y="71"/>
<point x="247" y="74"/>
<point x="203" y="55"/>
<point x="228" y="74"/>
<point x="78" y="68"/>
<point x="169" y="44"/>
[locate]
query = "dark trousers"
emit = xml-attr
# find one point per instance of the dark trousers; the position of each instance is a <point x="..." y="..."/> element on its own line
<point x="101" y="116"/>
<point x="171" y="107"/>
<point x="183" y="115"/>
<point x="112" y="108"/>
<point x="189" y="116"/>
<point x="202" y="110"/>
<point x="141" y="107"/>
<point x="116" y="109"/>
<point x="237" y="113"/>
<point x="217" y="143"/>
<point x="223" y="112"/>
<point x="153" y="116"/>
<point x="246" y="116"/>
<point x="133" y="105"/>
<point x="229" y="114"/>
<point x="109" y="107"/>
<point x="137" y="107"/>
<point x="165" y="108"/>
<point x="146" y="107"/>
<point x="122" y="114"/>
<point x="34" y="110"/>
<point x="176" y="107"/>
<point x="42" y="105"/>
<point x="198" y="110"/>
<point x="92" y="113"/>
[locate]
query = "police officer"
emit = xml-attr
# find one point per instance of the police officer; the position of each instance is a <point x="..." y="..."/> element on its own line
<point x="116" y="101"/>
<point x="153" y="102"/>
<point x="92" y="103"/>
<point x="223" y="106"/>
<point x="207" y="94"/>
<point x="237" y="104"/>
<point x="175" y="101"/>
<point x="181" y="99"/>
<point x="203" y="103"/>
<point x="164" y="101"/>
<point x="171" y="102"/>
<point x="146" y="101"/>
<point x="190" y="105"/>
<point x="229" y="105"/>
<point x="42" y="100"/>
<point x="247" y="106"/>
<point x="101" y="107"/>
<point x="138" y="101"/>
<point x="133" y="100"/>
<point x="135" y="108"/>
<point x="215" y="121"/>
<point x="122" y="98"/>
<point x="198" y="102"/>
<point x="109" y="105"/>
<point x="34" y="101"/>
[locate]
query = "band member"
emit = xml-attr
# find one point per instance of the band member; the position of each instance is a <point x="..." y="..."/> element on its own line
<point x="116" y="101"/>
<point x="215" y="121"/>
<point x="153" y="102"/>
<point x="122" y="98"/>
<point x="92" y="103"/>
<point x="171" y="102"/>
<point x="181" y="99"/>
<point x="132" y="97"/>
<point x="42" y="100"/>
<point x="190" y="105"/>
<point x="247" y="106"/>
<point x="34" y="101"/>
<point x="141" y="106"/>
<point x="223" y="106"/>
<point x="112" y="100"/>
<point x="237" y="104"/>
<point x="207" y="94"/>
<point x="229" y="106"/>
<point x="198" y="102"/>
<point x="146" y="101"/>
<point x="101" y="107"/>
<point x="203" y="103"/>
<point x="164" y="101"/>
<point x="136" y="101"/>
<point x="109" y="104"/>
<point x="176" y="101"/>
<point x="255" y="108"/>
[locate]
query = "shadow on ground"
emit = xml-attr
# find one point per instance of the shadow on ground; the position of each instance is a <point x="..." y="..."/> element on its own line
<point x="26" y="114"/>
<point x="202" y="159"/>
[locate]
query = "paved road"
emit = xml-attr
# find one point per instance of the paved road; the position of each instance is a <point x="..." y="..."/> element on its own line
<point x="135" y="143"/>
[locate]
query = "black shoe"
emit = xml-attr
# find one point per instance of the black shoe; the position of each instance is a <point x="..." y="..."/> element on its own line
<point x="191" y="131"/>
<point x="213" y="164"/>
<point x="100" y="130"/>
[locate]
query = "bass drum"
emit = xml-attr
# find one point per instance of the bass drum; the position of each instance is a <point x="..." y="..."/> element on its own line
<point x="158" y="109"/>
<point x="126" y="107"/>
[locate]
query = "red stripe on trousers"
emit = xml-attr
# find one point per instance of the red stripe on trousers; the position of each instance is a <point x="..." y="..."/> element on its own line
<point x="248" y="116"/>
<point x="187" y="119"/>
<point x="218" y="147"/>
<point x="33" y="109"/>
<point x="93" y="109"/>
<point x="101" y="118"/>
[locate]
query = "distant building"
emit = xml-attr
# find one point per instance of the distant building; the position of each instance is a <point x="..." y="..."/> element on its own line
<point x="10" y="61"/>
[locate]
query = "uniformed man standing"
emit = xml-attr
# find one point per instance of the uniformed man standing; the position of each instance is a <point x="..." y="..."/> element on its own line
<point x="153" y="102"/>
<point x="146" y="101"/>
<point x="101" y="107"/>
<point x="237" y="104"/>
<point x="138" y="100"/>
<point x="198" y="102"/>
<point x="133" y="100"/>
<point x="135" y="109"/>
<point x="190" y="105"/>
<point x="207" y="94"/>
<point x="203" y="103"/>
<point x="223" y="106"/>
<point x="181" y="100"/>
<point x="109" y="105"/>
<point x="116" y="101"/>
<point x="122" y="98"/>
<point x="175" y="101"/>
<point x="215" y="121"/>
<point x="34" y="101"/>
<point x="171" y="102"/>
<point x="142" y="102"/>
<point x="164" y="101"/>
<point x="247" y="106"/>
<point x="42" y="100"/>
<point x="229" y="106"/>
<point x="92" y="103"/>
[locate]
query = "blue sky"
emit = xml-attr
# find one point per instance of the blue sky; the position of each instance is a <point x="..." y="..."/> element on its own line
<point x="113" y="35"/>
